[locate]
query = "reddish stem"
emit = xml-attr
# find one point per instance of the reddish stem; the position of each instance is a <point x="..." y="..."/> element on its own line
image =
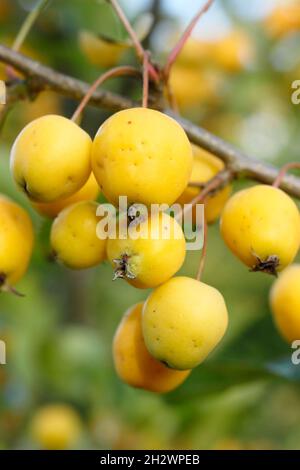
<point x="283" y="171"/>
<point x="115" y="72"/>
<point x="203" y="252"/>
<point x="179" y="46"/>
<point x="145" y="80"/>
<point x="136" y="42"/>
<point x="171" y="98"/>
<point x="212" y="185"/>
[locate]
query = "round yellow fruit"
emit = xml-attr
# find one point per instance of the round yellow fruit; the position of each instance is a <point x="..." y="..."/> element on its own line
<point x="142" y="154"/>
<point x="74" y="239"/>
<point x="183" y="321"/>
<point x="56" y="427"/>
<point x="50" y="158"/>
<point x="89" y="192"/>
<point x="285" y="303"/>
<point x="261" y="226"/>
<point x="151" y="257"/>
<point x="16" y="242"/>
<point x="133" y="363"/>
<point x="100" y="52"/>
<point x="205" y="167"/>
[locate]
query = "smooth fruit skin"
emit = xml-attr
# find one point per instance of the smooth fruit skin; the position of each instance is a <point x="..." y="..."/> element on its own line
<point x="16" y="241"/>
<point x="260" y="222"/>
<point x="183" y="321"/>
<point x="151" y="260"/>
<point x="142" y="154"/>
<point x="98" y="51"/>
<point x="205" y="167"/>
<point x="73" y="236"/>
<point x="133" y="363"/>
<point x="56" y="427"/>
<point x="50" y="158"/>
<point x="285" y="303"/>
<point x="89" y="192"/>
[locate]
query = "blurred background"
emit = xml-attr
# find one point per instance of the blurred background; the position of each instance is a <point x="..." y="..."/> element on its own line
<point x="234" y="78"/>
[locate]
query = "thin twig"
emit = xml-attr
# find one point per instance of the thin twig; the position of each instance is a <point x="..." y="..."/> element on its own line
<point x="25" y="30"/>
<point x="179" y="46"/>
<point x="146" y="80"/>
<point x="28" y="23"/>
<point x="203" y="252"/>
<point x="171" y="97"/>
<point x="283" y="171"/>
<point x="215" y="183"/>
<point x="138" y="47"/>
<point x="140" y="51"/>
<point x="112" y="73"/>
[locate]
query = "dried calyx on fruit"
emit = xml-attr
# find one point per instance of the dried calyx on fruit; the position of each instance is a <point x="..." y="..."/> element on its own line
<point x="151" y="252"/>
<point x="261" y="226"/>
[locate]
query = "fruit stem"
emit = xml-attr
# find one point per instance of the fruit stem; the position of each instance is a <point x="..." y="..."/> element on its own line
<point x="28" y="23"/>
<point x="25" y="30"/>
<point x="115" y="72"/>
<point x="179" y="46"/>
<point x="203" y="252"/>
<point x="4" y="287"/>
<point x="171" y="97"/>
<point x="214" y="184"/>
<point x="140" y="51"/>
<point x="283" y="171"/>
<point x="146" y="80"/>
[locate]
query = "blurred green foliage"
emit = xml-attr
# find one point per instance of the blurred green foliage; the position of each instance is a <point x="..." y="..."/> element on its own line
<point x="246" y="395"/>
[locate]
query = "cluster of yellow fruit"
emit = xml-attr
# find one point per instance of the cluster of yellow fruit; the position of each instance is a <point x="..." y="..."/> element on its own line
<point x="146" y="156"/>
<point x="195" y="77"/>
<point x="283" y="19"/>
